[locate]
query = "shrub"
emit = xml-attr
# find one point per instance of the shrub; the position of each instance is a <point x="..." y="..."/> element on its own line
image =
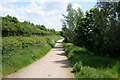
<point x="12" y="27"/>
<point x="88" y="65"/>
<point x="21" y="51"/>
<point x="77" y="67"/>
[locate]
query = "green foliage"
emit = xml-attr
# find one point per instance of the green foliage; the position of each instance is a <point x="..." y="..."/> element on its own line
<point x="12" y="27"/>
<point x="77" y="67"/>
<point x="98" y="30"/>
<point x="88" y="65"/>
<point x="21" y="44"/>
<point x="88" y="72"/>
<point x="70" y="22"/>
<point x="21" y="51"/>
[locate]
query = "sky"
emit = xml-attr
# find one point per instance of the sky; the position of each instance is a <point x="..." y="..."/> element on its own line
<point x="42" y="12"/>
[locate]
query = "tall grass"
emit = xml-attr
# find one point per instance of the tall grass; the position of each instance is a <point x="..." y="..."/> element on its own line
<point x="87" y="65"/>
<point x="19" y="52"/>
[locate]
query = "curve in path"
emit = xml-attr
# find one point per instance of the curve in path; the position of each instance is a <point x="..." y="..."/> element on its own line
<point x="52" y="65"/>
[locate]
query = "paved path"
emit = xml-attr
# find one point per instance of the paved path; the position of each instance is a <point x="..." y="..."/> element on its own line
<point x="52" y="65"/>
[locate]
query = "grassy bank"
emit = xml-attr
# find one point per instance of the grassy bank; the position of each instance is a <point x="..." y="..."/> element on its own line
<point x="19" y="52"/>
<point x="87" y="65"/>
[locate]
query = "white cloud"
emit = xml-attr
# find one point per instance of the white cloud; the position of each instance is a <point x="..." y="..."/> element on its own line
<point x="12" y="10"/>
<point x="33" y="8"/>
<point x="42" y="1"/>
<point x="76" y="6"/>
<point x="46" y="12"/>
<point x="35" y="20"/>
<point x="84" y="0"/>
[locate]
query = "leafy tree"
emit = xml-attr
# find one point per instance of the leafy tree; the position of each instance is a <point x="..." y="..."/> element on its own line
<point x="98" y="30"/>
<point x="70" y="21"/>
<point x="12" y="27"/>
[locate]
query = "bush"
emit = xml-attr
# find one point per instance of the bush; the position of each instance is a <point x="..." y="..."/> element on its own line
<point x="21" y="51"/>
<point x="88" y="72"/>
<point x="88" y="65"/>
<point x="12" y="27"/>
<point x="77" y="67"/>
<point x="98" y="30"/>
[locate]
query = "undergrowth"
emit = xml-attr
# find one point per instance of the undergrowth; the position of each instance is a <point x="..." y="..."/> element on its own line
<point x="19" y="52"/>
<point x="87" y="65"/>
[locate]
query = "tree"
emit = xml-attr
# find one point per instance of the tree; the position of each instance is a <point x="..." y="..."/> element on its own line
<point x="98" y="30"/>
<point x="70" y="21"/>
<point x="12" y="27"/>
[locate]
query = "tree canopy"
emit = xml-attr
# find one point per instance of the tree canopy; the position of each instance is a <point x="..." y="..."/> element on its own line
<point x="12" y="27"/>
<point x="97" y="30"/>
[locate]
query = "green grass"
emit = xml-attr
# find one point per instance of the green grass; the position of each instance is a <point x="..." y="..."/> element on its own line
<point x="31" y="49"/>
<point x="87" y="65"/>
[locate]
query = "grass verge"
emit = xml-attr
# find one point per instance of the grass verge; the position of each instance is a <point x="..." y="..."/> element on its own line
<point x="19" y="52"/>
<point x="87" y="65"/>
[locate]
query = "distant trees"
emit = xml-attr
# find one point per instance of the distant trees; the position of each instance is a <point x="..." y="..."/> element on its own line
<point x="70" y="22"/>
<point x="98" y="30"/>
<point x="42" y="27"/>
<point x="12" y="27"/>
